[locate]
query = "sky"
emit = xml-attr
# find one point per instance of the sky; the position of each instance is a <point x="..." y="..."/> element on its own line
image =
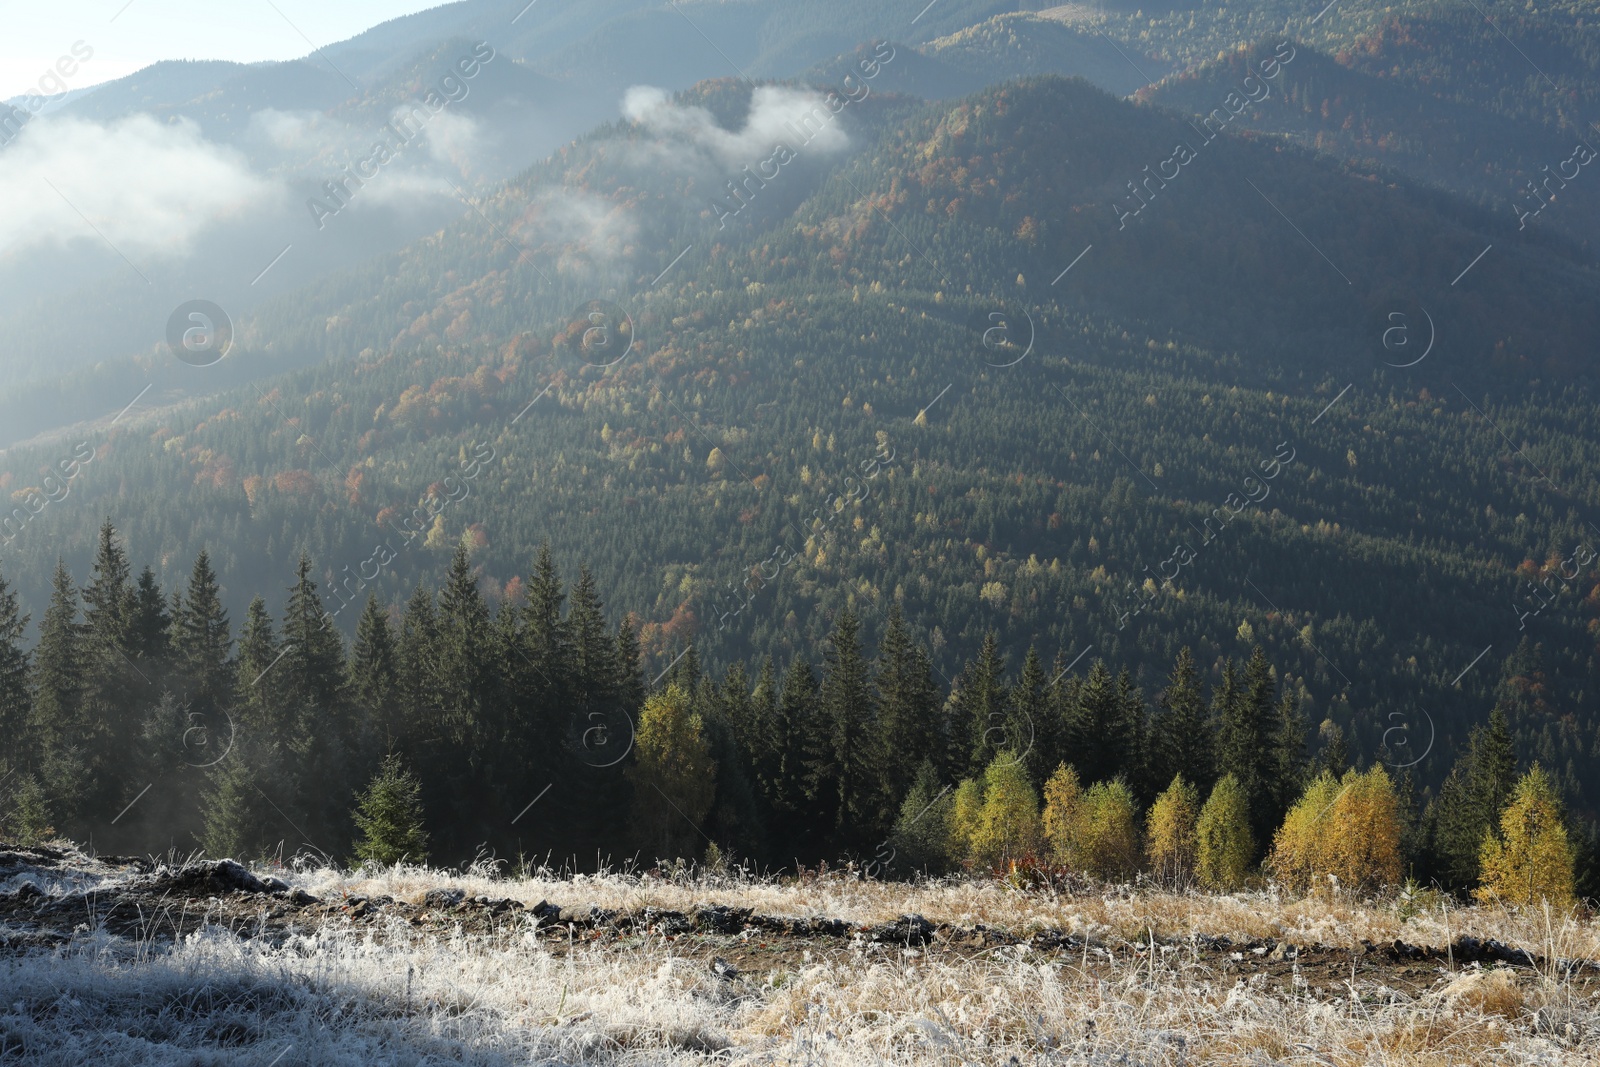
<point x="128" y="35"/>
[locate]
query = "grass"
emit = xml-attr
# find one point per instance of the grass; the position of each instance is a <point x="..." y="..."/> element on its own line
<point x="402" y="996"/>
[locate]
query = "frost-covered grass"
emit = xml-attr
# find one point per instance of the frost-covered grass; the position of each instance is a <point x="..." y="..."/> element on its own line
<point x="403" y="996"/>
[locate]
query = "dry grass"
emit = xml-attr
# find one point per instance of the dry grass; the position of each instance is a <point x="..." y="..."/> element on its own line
<point x="405" y="998"/>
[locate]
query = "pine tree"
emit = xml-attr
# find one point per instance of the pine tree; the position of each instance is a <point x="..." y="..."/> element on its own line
<point x="201" y="643"/>
<point x="1289" y="755"/>
<point x="312" y="673"/>
<point x="1471" y="800"/>
<point x="389" y="819"/>
<point x="1134" y="770"/>
<point x="419" y="654"/>
<point x="628" y="676"/>
<point x="237" y="819"/>
<point x="1182" y="730"/>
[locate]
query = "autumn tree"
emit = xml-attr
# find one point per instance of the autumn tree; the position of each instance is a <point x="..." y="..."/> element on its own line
<point x="1530" y="859"/>
<point x="673" y="775"/>
<point x="1007" y="827"/>
<point x="1224" y="846"/>
<point x="1171" y="830"/>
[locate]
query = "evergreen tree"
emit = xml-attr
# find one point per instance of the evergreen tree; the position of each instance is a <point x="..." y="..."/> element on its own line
<point x="784" y="783"/>
<point x="922" y="829"/>
<point x="1097" y="727"/>
<point x="1247" y="729"/>
<point x="1289" y="751"/>
<point x="1471" y="800"/>
<point x="151" y="625"/>
<point x="980" y="707"/>
<point x="259" y="699"/>
<point x="58" y="727"/>
<point x="418" y="690"/>
<point x="113" y="684"/>
<point x="388" y="818"/>
<point x="461" y="658"/>
<point x="375" y="673"/>
<point x="839" y="772"/>
<point x="1181" y="734"/>
<point x="16" y="698"/>
<point x="1030" y="728"/>
<point x="201" y="642"/>
<point x="908" y="707"/>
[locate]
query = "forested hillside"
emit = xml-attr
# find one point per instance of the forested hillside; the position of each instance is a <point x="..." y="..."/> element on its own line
<point x="1036" y="367"/>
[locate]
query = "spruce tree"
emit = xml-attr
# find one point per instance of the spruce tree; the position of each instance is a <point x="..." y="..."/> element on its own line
<point x="462" y="654"/>
<point x="16" y="699"/>
<point x="1097" y="726"/>
<point x="1182" y="740"/>
<point x="259" y="701"/>
<point x="1030" y="729"/>
<point x="1246" y="733"/>
<point x="201" y="642"/>
<point x="840" y="769"/>
<point x="375" y="673"/>
<point x="114" y="685"/>
<point x="389" y="818"/>
<point x="785" y="781"/>
<point x="908" y="704"/>
<point x="58" y="727"/>
<point x="980" y="706"/>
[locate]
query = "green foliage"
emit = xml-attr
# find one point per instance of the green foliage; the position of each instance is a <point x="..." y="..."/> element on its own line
<point x="673" y="775"/>
<point x="1225" y="847"/>
<point x="1007" y="828"/>
<point x="921" y="838"/>
<point x="388" y="817"/>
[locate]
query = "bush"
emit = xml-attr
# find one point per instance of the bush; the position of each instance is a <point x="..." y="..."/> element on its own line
<point x="1171" y="833"/>
<point x="1530" y="860"/>
<point x="389" y="817"/>
<point x="1224" y="846"/>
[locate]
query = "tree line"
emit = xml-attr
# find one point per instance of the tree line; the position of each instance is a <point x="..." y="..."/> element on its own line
<point x="138" y="720"/>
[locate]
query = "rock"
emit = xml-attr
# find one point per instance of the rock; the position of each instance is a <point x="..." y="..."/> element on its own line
<point x="721" y="919"/>
<point x="545" y="911"/>
<point x="661" y="921"/>
<point x="1286" y="950"/>
<point x="443" y="898"/>
<point x="274" y="885"/>
<point x="27" y="891"/>
<point x="723" y="969"/>
<point x="302" y="899"/>
<point x="906" y="930"/>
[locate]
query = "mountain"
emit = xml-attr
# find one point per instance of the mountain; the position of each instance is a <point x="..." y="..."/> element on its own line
<point x="816" y="403"/>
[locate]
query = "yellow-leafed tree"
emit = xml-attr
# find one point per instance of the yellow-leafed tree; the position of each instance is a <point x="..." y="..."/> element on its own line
<point x="1110" y="842"/>
<point x="1530" y="860"/>
<point x="1171" y="833"/>
<point x="965" y="811"/>
<point x="1063" y="815"/>
<point x="1007" y="826"/>
<point x="1349" y="829"/>
<point x="673" y="775"/>
<point x="1224" y="846"/>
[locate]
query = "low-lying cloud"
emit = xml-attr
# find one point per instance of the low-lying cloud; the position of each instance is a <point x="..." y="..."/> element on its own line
<point x="691" y="137"/>
<point x="149" y="188"/>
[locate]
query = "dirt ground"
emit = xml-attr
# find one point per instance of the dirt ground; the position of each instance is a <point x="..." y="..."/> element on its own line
<point x="145" y="903"/>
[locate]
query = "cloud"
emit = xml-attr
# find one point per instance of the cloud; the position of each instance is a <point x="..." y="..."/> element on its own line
<point x="691" y="137"/>
<point x="148" y="187"/>
<point x="583" y="230"/>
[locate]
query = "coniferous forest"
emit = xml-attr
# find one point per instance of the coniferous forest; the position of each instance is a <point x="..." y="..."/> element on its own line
<point x="529" y="731"/>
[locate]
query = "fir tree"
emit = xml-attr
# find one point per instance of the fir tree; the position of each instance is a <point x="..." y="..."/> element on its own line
<point x="908" y="705"/>
<point x="1182" y="737"/>
<point x="16" y="699"/>
<point x="388" y="818"/>
<point x="1030" y="729"/>
<point x="839" y="772"/>
<point x="58" y="727"/>
<point x="201" y="642"/>
<point x="375" y="673"/>
<point x="980" y="707"/>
